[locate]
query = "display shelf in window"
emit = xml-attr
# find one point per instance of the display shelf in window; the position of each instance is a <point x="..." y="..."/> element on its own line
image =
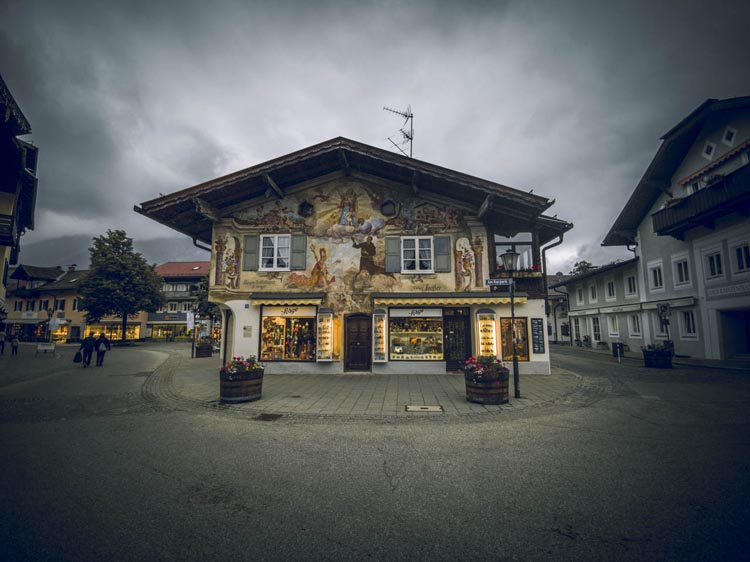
<point x="415" y="339"/>
<point x="486" y="328"/>
<point x="325" y="335"/>
<point x="379" y="352"/>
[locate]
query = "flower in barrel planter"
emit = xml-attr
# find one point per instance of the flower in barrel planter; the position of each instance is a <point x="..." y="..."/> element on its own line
<point x="241" y="380"/>
<point x="486" y="379"/>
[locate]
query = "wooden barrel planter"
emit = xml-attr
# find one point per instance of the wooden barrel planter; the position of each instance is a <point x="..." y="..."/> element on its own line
<point x="203" y="350"/>
<point x="482" y="391"/>
<point x="657" y="359"/>
<point x="244" y="386"/>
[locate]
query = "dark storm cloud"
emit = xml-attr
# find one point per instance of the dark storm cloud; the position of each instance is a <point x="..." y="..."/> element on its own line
<point x="128" y="100"/>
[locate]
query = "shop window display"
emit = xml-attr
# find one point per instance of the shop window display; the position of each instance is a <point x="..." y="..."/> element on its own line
<point x="415" y="339"/>
<point x="521" y="336"/>
<point x="288" y="339"/>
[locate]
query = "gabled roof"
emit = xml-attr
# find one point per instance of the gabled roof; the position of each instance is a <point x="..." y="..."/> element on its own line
<point x="596" y="271"/>
<point x="217" y="197"/>
<point x="11" y="114"/>
<point x="675" y="145"/>
<point x="32" y="272"/>
<point x="70" y="280"/>
<point x="184" y="269"/>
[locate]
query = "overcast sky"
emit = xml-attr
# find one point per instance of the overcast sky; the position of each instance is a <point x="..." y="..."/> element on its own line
<point x="128" y="100"/>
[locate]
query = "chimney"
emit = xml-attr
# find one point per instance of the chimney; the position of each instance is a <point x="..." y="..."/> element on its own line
<point x="71" y="268"/>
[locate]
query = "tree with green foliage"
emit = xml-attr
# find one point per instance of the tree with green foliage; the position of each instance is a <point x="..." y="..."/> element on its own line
<point x="581" y="267"/>
<point x="205" y="308"/>
<point x="120" y="282"/>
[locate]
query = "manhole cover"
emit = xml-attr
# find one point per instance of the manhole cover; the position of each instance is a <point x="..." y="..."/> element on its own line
<point x="267" y="417"/>
<point x="424" y="408"/>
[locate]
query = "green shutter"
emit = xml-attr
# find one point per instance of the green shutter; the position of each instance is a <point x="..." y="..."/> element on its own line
<point x="299" y="252"/>
<point x="393" y="254"/>
<point x="442" y="246"/>
<point x="250" y="253"/>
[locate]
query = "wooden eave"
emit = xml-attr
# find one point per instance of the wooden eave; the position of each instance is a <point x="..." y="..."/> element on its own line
<point x="339" y="155"/>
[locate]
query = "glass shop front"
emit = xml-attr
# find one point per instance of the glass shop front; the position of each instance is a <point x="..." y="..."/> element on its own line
<point x="415" y="334"/>
<point x="288" y="333"/>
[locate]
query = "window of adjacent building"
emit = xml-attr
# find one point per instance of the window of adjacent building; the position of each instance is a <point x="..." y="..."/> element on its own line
<point x="182" y="287"/>
<point x="655" y="277"/>
<point x="631" y="286"/>
<point x="714" y="267"/>
<point x="742" y="258"/>
<point x="30" y="305"/>
<point x="693" y="187"/>
<point x="596" y="331"/>
<point x="730" y="134"/>
<point x="680" y="271"/>
<point x="579" y="295"/>
<point x="416" y="254"/>
<point x="18" y="306"/>
<point x="634" y="325"/>
<point x="172" y="307"/>
<point x="688" y="328"/>
<point x="186" y="307"/>
<point x="592" y="293"/>
<point x="60" y="304"/>
<point x="611" y="294"/>
<point x="577" y="328"/>
<point x="44" y="305"/>
<point x="708" y="150"/>
<point x="274" y="252"/>
<point x="614" y="328"/>
<point x="75" y="304"/>
<point x="166" y="287"/>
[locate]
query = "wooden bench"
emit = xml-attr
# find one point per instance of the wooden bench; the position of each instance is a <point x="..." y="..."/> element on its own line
<point x="45" y="347"/>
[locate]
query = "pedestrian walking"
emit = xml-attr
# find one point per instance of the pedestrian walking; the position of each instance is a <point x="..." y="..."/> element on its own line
<point x="87" y="347"/>
<point x="102" y="347"/>
<point x="2" y="342"/>
<point x="14" y="345"/>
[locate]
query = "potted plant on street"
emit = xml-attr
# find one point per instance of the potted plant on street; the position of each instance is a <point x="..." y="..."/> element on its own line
<point x="657" y="356"/>
<point x="241" y="380"/>
<point x="486" y="379"/>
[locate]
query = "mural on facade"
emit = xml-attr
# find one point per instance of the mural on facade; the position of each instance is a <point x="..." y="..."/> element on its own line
<point x="345" y="226"/>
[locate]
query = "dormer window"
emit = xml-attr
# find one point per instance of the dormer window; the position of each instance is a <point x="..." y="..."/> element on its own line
<point x="730" y="134"/>
<point x="708" y="150"/>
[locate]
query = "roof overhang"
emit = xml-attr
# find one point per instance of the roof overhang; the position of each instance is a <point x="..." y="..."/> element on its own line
<point x="193" y="211"/>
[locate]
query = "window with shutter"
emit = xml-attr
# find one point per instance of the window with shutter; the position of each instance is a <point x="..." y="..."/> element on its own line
<point x="250" y="253"/>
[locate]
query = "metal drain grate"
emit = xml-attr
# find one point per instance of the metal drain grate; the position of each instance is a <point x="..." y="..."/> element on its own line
<point x="424" y="408"/>
<point x="267" y="417"/>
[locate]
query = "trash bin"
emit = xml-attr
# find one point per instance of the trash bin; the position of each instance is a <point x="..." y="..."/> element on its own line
<point x="618" y="349"/>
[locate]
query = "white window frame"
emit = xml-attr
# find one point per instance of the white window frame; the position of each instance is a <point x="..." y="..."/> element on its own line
<point x="651" y="268"/>
<point x="593" y="294"/>
<point x="75" y="305"/>
<point x="613" y="325"/>
<point x="418" y="270"/>
<point x="626" y="284"/>
<point x="276" y="257"/>
<point x="576" y="328"/>
<point x="187" y="307"/>
<point x="686" y="325"/>
<point x="579" y="295"/>
<point x="724" y="136"/>
<point x="172" y="307"/>
<point x="634" y="326"/>
<point x="712" y="151"/>
<point x="610" y="283"/>
<point x="596" y="326"/>
<point x="745" y="262"/>
<point x="708" y="254"/>
<point x="676" y="261"/>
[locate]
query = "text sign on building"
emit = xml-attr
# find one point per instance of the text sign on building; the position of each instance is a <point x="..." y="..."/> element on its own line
<point x="537" y="335"/>
<point x="292" y="311"/>
<point x="416" y="312"/>
<point x="496" y="282"/>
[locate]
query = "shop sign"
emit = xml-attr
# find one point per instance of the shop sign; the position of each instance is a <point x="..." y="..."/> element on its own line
<point x="416" y="312"/>
<point x="247" y="331"/>
<point x="28" y="315"/>
<point x="295" y="311"/>
<point x="729" y="291"/>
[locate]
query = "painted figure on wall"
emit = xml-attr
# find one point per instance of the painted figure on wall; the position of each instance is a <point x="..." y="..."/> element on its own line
<point x="232" y="265"/>
<point x="220" y="247"/>
<point x="367" y="257"/>
<point x="319" y="277"/>
<point x="464" y="263"/>
<point x="477" y="248"/>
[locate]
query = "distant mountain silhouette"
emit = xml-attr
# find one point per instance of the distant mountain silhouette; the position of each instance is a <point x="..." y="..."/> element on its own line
<point x="68" y="250"/>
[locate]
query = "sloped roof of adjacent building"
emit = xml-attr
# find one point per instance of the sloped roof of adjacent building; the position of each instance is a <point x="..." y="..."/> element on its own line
<point x="70" y="280"/>
<point x="675" y="145"/>
<point x="596" y="271"/>
<point x="28" y="272"/>
<point x="188" y="211"/>
<point x="184" y="269"/>
<point x="14" y="119"/>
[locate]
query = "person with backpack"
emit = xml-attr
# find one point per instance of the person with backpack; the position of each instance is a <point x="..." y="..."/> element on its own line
<point x="87" y="347"/>
<point x="102" y="347"/>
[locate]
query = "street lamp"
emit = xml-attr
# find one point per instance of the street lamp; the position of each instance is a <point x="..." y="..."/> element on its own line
<point x="510" y="264"/>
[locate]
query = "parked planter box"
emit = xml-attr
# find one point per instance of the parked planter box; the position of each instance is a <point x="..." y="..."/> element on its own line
<point x="244" y="386"/>
<point x="657" y="359"/>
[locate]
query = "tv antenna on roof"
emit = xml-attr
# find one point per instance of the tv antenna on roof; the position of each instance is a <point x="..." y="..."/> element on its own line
<point x="408" y="136"/>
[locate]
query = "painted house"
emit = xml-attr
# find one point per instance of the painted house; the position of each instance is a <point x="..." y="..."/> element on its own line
<point x="343" y="257"/>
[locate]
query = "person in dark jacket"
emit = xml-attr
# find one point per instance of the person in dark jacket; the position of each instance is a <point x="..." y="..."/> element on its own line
<point x="102" y="347"/>
<point x="87" y="347"/>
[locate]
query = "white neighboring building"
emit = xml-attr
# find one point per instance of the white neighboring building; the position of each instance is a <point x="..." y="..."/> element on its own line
<point x="688" y="222"/>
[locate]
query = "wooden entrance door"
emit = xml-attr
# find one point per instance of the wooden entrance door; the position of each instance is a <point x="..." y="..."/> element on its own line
<point x="358" y="343"/>
<point x="457" y="330"/>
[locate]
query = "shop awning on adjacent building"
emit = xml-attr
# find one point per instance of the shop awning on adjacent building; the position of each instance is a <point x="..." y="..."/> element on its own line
<point x="444" y="299"/>
<point x="287" y="299"/>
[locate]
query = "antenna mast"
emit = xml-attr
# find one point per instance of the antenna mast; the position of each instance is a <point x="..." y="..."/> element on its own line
<point x="408" y="136"/>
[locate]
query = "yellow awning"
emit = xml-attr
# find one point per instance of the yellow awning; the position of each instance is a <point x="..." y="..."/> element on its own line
<point x="445" y="301"/>
<point x="296" y="301"/>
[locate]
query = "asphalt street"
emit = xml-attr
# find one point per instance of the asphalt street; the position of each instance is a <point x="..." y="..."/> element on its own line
<point x="630" y="464"/>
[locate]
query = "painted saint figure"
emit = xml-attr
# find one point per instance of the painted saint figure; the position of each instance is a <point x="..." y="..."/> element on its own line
<point x="367" y="257"/>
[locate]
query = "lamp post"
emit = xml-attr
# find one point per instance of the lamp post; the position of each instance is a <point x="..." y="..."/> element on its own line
<point x="196" y="317"/>
<point x="510" y="264"/>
